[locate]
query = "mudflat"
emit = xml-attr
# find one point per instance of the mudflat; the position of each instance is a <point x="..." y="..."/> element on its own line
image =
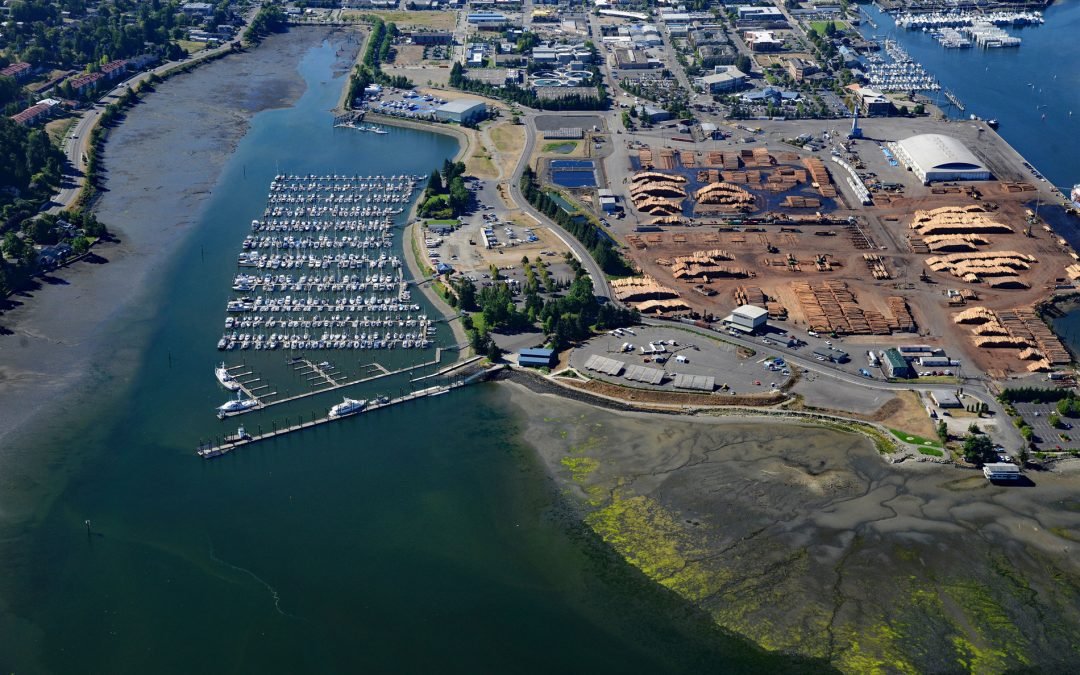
<point x="75" y="333"/>
<point x="802" y="539"/>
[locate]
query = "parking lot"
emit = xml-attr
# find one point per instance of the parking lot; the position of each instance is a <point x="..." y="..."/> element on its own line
<point x="1047" y="437"/>
<point x="684" y="353"/>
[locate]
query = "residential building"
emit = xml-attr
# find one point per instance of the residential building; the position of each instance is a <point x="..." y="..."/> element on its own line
<point x="198" y="9"/>
<point x="84" y="83"/>
<point x="20" y="71"/>
<point x="32" y="115"/>
<point x="114" y="69"/>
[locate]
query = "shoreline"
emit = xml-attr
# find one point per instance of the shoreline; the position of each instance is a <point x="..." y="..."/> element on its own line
<point x="64" y="342"/>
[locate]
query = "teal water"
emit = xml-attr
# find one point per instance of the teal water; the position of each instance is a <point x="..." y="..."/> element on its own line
<point x="423" y="538"/>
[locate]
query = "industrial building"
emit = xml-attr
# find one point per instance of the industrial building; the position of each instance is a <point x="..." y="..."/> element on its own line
<point x="934" y="157"/>
<point x="747" y="318"/>
<point x="462" y="110"/>
<point x="873" y="103"/>
<point x="723" y="79"/>
<point x="536" y="358"/>
<point x="896" y="365"/>
<point x="834" y="355"/>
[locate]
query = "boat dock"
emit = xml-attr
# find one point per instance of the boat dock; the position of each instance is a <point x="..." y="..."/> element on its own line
<point x="955" y="100"/>
<point x="326" y="378"/>
<point x="212" y="449"/>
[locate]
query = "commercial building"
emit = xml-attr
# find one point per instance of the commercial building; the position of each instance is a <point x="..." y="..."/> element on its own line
<point x="487" y="19"/>
<point x="724" y="79"/>
<point x="934" y="157"/>
<point x="1001" y="471"/>
<point x="461" y="110"/>
<point x="536" y="358"/>
<point x="632" y="59"/>
<point x="834" y="355"/>
<point x="945" y="399"/>
<point x="799" y="69"/>
<point x="747" y="318"/>
<point x="432" y="38"/>
<point x="654" y="114"/>
<point x="896" y="365"/>
<point x="609" y="203"/>
<point x="762" y="41"/>
<point x="197" y="9"/>
<point x="872" y="102"/>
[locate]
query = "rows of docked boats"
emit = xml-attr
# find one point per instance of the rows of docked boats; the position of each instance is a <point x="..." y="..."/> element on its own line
<point x="341" y="261"/>
<point x="281" y="283"/>
<point x="358" y="298"/>
<point x="900" y="72"/>
<point x="296" y="341"/>
<point x="958" y="19"/>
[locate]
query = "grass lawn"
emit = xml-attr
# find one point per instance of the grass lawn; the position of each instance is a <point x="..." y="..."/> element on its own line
<point x="191" y="47"/>
<point x="916" y="440"/>
<point x="819" y="26"/>
<point x="439" y="222"/>
<point x="561" y="147"/>
<point x="439" y="20"/>
<point x="57" y="129"/>
<point x="933" y="452"/>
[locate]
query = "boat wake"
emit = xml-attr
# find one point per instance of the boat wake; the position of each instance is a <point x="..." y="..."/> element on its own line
<point x="273" y="591"/>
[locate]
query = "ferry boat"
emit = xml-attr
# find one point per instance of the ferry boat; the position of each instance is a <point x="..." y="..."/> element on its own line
<point x="239" y="404"/>
<point x="347" y="407"/>
<point x="226" y="379"/>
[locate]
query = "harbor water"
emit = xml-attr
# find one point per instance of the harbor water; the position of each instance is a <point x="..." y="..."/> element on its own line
<point x="1033" y="90"/>
<point x="420" y="538"/>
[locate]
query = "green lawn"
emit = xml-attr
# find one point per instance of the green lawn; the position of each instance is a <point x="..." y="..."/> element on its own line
<point x="933" y="452"/>
<point x="444" y="221"/>
<point x="819" y="26"/>
<point x="562" y="147"/>
<point x="916" y="440"/>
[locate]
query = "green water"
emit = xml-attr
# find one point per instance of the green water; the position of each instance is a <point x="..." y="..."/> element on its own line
<point x="423" y="538"/>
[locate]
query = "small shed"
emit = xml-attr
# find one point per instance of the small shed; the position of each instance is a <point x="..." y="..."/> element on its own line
<point x="945" y="399"/>
<point x="536" y="358"/>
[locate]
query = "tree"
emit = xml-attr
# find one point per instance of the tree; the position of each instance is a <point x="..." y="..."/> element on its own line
<point x="434" y="184"/>
<point x="743" y="63"/>
<point x="1069" y="407"/>
<point x="973" y="428"/>
<point x="979" y="449"/>
<point x="943" y="431"/>
<point x="1054" y="419"/>
<point x="80" y="245"/>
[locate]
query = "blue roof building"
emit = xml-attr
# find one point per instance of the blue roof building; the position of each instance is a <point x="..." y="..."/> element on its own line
<point x="536" y="358"/>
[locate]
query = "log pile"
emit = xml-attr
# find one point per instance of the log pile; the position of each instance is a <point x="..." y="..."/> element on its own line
<point x="971" y="219"/>
<point x="819" y="175"/>
<point x="902" y="317"/>
<point x="876" y="265"/>
<point x="946" y="243"/>
<point x="725" y="194"/>
<point x="639" y="289"/>
<point x="750" y="295"/>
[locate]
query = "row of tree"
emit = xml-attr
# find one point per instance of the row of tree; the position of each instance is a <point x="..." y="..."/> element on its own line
<point x="379" y="50"/>
<point x="269" y="19"/>
<point x="600" y="245"/>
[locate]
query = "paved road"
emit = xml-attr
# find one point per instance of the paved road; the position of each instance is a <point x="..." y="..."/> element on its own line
<point x="77" y="141"/>
<point x="600" y="286"/>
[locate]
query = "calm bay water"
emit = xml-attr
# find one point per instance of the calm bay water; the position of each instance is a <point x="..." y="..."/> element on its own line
<point x="423" y="538"/>
<point x="1033" y="90"/>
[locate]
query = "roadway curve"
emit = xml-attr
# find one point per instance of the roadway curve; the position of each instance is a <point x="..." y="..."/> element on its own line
<point x="77" y="142"/>
<point x="600" y="285"/>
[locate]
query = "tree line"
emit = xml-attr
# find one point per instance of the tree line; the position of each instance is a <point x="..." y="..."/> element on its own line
<point x="527" y="97"/>
<point x="269" y="19"/>
<point x="379" y="50"/>
<point x="601" y="246"/>
<point x="445" y="195"/>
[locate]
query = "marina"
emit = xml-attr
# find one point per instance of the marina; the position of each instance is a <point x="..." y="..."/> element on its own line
<point x="898" y="71"/>
<point x="347" y="408"/>
<point x="318" y="271"/>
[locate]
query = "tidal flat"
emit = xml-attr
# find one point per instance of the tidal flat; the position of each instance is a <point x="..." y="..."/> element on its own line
<point x="804" y="541"/>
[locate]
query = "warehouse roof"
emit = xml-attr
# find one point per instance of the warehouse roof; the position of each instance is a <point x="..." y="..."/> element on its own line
<point x="460" y="105"/>
<point x="936" y="152"/>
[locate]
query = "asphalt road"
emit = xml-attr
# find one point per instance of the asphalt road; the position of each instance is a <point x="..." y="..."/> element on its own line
<point x="77" y="141"/>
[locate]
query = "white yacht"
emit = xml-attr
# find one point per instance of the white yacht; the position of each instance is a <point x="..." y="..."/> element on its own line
<point x="347" y="407"/>
<point x="225" y="378"/>
<point x="239" y="404"/>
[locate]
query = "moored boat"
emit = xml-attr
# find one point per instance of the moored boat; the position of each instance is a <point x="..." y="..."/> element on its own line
<point x="225" y="378"/>
<point x="347" y="407"/>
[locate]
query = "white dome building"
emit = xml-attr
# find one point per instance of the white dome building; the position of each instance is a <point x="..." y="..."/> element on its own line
<point x="934" y="157"/>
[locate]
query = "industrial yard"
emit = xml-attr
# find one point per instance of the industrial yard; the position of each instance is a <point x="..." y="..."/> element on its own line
<point x="839" y="236"/>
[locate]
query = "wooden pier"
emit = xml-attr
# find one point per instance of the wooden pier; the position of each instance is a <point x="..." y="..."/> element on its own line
<point x="955" y="100"/>
<point x="210" y="449"/>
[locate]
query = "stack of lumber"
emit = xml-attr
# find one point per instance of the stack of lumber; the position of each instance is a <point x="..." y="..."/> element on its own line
<point x="645" y="157"/>
<point x="705" y="265"/>
<point x="639" y="289"/>
<point x="971" y="219"/>
<point x="876" y="266"/>
<point x="975" y="315"/>
<point x="666" y="159"/>
<point x="819" y="175"/>
<point x="687" y="159"/>
<point x="750" y="295"/>
<point x="941" y="243"/>
<point x="902" y="317"/>
<point x="777" y="312"/>
<point x="724" y="194"/>
<point x="708" y="176"/>
<point x="1048" y="343"/>
<point x="797" y="202"/>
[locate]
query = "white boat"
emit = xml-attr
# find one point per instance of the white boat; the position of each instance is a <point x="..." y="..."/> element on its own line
<point x="1075" y="196"/>
<point x="347" y="407"/>
<point x="225" y="378"/>
<point x="239" y="404"/>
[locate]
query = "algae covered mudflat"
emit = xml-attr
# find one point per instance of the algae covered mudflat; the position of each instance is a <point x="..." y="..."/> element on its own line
<point x="803" y="540"/>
